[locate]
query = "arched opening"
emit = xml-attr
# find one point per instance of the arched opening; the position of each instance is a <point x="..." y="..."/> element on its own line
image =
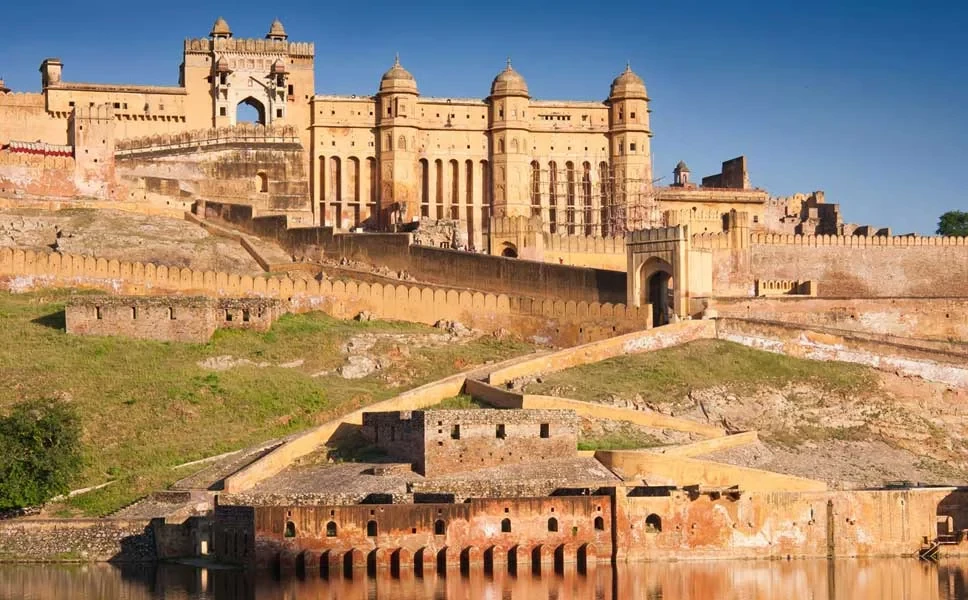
<point x="371" y="528"/>
<point x="290" y="529"/>
<point x="505" y="525"/>
<point x="552" y="524"/>
<point x="599" y="524"/>
<point x="509" y="250"/>
<point x="331" y="529"/>
<point x="655" y="279"/>
<point x="250" y="110"/>
<point x="262" y="180"/>
<point x="653" y="523"/>
<point x="439" y="527"/>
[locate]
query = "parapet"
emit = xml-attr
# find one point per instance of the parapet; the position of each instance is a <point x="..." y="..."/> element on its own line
<point x="242" y="133"/>
<point x="251" y="45"/>
<point x="659" y="234"/>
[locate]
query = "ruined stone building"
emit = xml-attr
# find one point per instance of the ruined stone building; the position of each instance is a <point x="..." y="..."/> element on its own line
<point x="379" y="160"/>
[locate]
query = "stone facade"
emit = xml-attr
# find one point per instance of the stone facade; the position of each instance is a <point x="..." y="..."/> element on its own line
<point x="438" y="442"/>
<point x="172" y="318"/>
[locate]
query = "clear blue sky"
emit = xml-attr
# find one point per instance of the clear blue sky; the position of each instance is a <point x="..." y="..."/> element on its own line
<point x="867" y="104"/>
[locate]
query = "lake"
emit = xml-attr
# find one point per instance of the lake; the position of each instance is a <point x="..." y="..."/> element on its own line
<point x="868" y="579"/>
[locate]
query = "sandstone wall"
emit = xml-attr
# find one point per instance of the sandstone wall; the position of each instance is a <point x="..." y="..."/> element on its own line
<point x="939" y="319"/>
<point x="862" y="266"/>
<point x="24" y="117"/>
<point x="25" y="174"/>
<point x="552" y="321"/>
<point x="76" y="540"/>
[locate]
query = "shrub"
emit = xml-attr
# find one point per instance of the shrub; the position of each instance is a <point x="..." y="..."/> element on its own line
<point x="40" y="452"/>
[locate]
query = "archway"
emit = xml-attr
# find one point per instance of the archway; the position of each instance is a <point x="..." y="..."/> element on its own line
<point x="509" y="250"/>
<point x="250" y="110"/>
<point x="657" y="289"/>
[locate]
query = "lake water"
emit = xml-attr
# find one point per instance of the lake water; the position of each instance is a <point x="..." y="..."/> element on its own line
<point x="877" y="579"/>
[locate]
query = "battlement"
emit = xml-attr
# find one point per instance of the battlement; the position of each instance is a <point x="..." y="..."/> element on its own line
<point x="40" y="148"/>
<point x="251" y="46"/>
<point x="98" y="112"/>
<point x="854" y="241"/>
<point x="659" y="234"/>
<point x="711" y="240"/>
<point x="785" y="287"/>
<point x="27" y="99"/>
<point x="117" y="88"/>
<point x="242" y="133"/>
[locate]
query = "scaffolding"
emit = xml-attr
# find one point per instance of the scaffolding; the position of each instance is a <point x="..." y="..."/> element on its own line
<point x="589" y="202"/>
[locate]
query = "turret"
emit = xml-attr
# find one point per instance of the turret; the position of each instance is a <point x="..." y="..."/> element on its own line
<point x="50" y="71"/>
<point x="276" y="31"/>
<point x="509" y="132"/>
<point x="396" y="123"/>
<point x="220" y="30"/>
<point x="680" y="175"/>
<point x="629" y="143"/>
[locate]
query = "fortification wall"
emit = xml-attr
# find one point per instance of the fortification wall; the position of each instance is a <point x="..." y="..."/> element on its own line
<point x="550" y="321"/>
<point x="607" y="253"/>
<point x="81" y="540"/>
<point x="864" y="266"/>
<point x="938" y="319"/>
<point x="421" y="536"/>
<point x="786" y="524"/>
<point x="24" y="117"/>
<point x="29" y="174"/>
<point x="480" y="272"/>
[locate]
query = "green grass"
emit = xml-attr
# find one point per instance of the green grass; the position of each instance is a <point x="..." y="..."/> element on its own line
<point x="459" y="402"/>
<point x="147" y="406"/>
<point x="625" y="440"/>
<point x="667" y="375"/>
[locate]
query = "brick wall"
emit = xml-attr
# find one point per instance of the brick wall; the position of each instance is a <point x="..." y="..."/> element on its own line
<point x="438" y="442"/>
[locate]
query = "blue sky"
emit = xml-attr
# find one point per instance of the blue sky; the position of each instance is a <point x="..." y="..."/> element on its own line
<point x="864" y="102"/>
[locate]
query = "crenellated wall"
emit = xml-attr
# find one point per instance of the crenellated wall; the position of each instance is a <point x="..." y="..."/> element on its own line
<point x="554" y="321"/>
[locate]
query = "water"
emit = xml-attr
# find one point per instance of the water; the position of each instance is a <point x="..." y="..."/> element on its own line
<point x="876" y="579"/>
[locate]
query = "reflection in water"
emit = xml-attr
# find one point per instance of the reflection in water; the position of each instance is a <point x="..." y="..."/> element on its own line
<point x="880" y="579"/>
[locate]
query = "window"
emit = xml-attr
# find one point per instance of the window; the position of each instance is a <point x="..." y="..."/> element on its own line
<point x="278" y="113"/>
<point x="331" y="529"/>
<point x="545" y="430"/>
<point x="632" y="115"/>
<point x="455" y="432"/>
<point x="222" y="112"/>
<point x="756" y="219"/>
<point x="632" y="147"/>
<point x="161" y="107"/>
<point x="599" y="524"/>
<point x="171" y="314"/>
<point x="97" y="312"/>
<point x="653" y="523"/>
<point x="439" y="527"/>
<point x="499" y="433"/>
<point x="290" y="89"/>
<point x="228" y="316"/>
<point x="117" y="105"/>
<point x="505" y="525"/>
<point x="371" y="528"/>
<point x="134" y="312"/>
<point x="71" y="103"/>
<point x="290" y="529"/>
<point x="245" y="315"/>
<point x="552" y="524"/>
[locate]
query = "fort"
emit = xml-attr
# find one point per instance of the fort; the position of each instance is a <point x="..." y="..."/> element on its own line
<point x="538" y="219"/>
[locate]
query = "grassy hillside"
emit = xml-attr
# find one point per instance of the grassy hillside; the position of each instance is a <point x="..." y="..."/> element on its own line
<point x="148" y="406"/>
<point x="668" y="374"/>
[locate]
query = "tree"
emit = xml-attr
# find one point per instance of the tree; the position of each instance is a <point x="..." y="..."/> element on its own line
<point x="40" y="452"/>
<point x="953" y="222"/>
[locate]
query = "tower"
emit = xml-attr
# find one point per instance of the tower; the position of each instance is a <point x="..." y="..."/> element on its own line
<point x="50" y="71"/>
<point x="508" y="102"/>
<point x="629" y="149"/>
<point x="397" y="129"/>
<point x="680" y="175"/>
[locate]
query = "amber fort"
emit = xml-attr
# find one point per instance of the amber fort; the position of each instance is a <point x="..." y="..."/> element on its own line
<point x="541" y="219"/>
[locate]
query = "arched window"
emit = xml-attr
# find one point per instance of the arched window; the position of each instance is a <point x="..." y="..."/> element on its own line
<point x="331" y="529"/>
<point x="500" y="145"/>
<point x="505" y="525"/>
<point x="439" y="527"/>
<point x="401" y="143"/>
<point x="552" y="524"/>
<point x="371" y="528"/>
<point x="514" y="145"/>
<point x="389" y="143"/>
<point x="653" y="523"/>
<point x="599" y="524"/>
<point x="263" y="182"/>
<point x="290" y="529"/>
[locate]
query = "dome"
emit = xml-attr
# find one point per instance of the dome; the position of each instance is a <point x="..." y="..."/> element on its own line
<point x="276" y="31"/>
<point x="222" y="65"/>
<point x="398" y="79"/>
<point x="682" y="167"/>
<point x="220" y="29"/>
<point x="279" y="67"/>
<point x="509" y="83"/>
<point x="628" y="85"/>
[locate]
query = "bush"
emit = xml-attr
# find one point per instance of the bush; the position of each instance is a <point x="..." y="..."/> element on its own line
<point x="40" y="452"/>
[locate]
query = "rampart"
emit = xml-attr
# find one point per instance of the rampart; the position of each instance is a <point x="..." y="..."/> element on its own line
<point x="241" y="135"/>
<point x="82" y="540"/>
